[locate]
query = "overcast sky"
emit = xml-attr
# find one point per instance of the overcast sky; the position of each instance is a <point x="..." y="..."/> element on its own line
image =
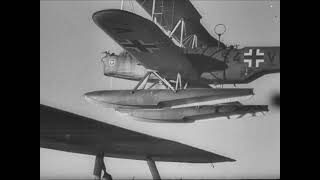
<point x="70" y="52"/>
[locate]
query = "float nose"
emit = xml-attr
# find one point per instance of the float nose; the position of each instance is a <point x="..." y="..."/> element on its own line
<point x="101" y="97"/>
<point x="92" y="97"/>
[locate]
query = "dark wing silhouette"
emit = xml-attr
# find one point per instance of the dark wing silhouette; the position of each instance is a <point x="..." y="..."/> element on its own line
<point x="61" y="130"/>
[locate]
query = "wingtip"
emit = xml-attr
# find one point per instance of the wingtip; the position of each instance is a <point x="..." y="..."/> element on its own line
<point x="227" y="159"/>
<point x="109" y="11"/>
<point x="96" y="14"/>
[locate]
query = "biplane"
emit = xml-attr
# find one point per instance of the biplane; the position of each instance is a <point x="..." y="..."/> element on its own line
<point x="174" y="41"/>
<point x="155" y="54"/>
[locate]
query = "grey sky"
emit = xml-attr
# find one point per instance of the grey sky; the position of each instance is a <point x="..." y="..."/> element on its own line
<point x="70" y="52"/>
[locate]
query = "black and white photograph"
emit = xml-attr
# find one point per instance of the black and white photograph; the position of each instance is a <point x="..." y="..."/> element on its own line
<point x="159" y="89"/>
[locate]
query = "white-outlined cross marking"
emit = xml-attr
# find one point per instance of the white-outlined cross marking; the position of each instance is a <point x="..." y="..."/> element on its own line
<point x="253" y="57"/>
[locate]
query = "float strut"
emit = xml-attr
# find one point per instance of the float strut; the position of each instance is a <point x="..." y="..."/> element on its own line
<point x="163" y="80"/>
<point x="145" y="78"/>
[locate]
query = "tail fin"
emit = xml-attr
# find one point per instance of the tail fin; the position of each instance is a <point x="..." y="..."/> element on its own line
<point x="260" y="61"/>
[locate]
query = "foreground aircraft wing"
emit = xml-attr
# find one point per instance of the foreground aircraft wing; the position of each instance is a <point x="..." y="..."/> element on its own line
<point x="146" y="42"/>
<point x="169" y="12"/>
<point x="61" y="130"/>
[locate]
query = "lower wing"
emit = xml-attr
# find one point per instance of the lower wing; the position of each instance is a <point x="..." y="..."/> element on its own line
<point x="61" y="130"/>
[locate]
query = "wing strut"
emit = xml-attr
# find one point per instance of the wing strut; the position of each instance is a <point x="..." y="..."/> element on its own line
<point x="153" y="169"/>
<point x="100" y="167"/>
<point x="121" y="5"/>
<point x="183" y="41"/>
<point x="181" y="21"/>
<point x="153" y="8"/>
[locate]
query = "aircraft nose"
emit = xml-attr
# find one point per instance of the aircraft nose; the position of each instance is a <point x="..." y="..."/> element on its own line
<point x="110" y="64"/>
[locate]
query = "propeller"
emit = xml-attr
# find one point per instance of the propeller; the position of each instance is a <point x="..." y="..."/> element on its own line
<point x="106" y="53"/>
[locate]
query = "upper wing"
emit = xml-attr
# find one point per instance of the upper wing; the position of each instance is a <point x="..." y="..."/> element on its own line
<point x="169" y="12"/>
<point x="69" y="132"/>
<point x="146" y="41"/>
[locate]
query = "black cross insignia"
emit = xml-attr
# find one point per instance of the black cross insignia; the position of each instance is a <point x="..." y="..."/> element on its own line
<point x="139" y="46"/>
<point x="252" y="58"/>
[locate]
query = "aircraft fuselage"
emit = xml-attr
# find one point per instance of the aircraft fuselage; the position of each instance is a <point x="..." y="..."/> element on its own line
<point x="214" y="66"/>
